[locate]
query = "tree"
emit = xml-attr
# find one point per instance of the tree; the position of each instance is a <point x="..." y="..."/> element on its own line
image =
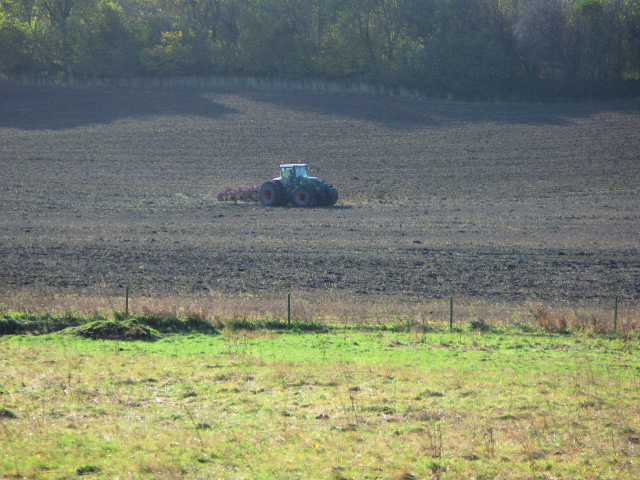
<point x="277" y="37"/>
<point x="212" y="28"/>
<point x="363" y="39"/>
<point x="14" y="54"/>
<point x="631" y="41"/>
<point x="103" y="44"/>
<point x="58" y="12"/>
<point x="170" y="58"/>
<point x="545" y="37"/>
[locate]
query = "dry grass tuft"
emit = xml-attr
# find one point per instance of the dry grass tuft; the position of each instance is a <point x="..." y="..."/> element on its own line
<point x="334" y="307"/>
<point x="552" y="320"/>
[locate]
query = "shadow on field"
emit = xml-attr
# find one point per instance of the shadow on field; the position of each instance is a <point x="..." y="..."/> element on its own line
<point x="59" y="108"/>
<point x="408" y="114"/>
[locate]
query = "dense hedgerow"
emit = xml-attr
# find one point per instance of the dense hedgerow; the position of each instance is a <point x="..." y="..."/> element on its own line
<point x="489" y="49"/>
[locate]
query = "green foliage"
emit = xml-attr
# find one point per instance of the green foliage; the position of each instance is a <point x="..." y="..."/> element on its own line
<point x="469" y="65"/>
<point x="342" y="55"/>
<point x="272" y="41"/>
<point x="14" y="39"/>
<point x="590" y="8"/>
<point x="463" y="49"/>
<point x="170" y="58"/>
<point x="105" y="46"/>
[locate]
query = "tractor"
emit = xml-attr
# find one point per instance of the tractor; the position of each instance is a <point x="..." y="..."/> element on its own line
<point x="295" y="186"/>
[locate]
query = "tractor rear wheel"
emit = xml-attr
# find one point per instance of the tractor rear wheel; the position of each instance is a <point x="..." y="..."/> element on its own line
<point x="302" y="197"/>
<point x="271" y="194"/>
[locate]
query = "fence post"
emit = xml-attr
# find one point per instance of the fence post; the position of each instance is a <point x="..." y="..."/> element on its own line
<point x="288" y="309"/>
<point x="451" y="314"/>
<point x="126" y="302"/>
<point x="615" y="315"/>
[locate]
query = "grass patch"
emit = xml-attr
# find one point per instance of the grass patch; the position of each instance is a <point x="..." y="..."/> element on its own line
<point x="152" y="326"/>
<point x="6" y="413"/>
<point x="267" y="404"/>
<point x="115" y="330"/>
<point x="139" y="327"/>
<point x="16" y="323"/>
<point x="87" y="470"/>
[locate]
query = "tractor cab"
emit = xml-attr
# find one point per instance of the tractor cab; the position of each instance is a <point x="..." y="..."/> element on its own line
<point x="289" y="173"/>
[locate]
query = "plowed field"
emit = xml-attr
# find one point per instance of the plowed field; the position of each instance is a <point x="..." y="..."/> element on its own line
<point x="112" y="188"/>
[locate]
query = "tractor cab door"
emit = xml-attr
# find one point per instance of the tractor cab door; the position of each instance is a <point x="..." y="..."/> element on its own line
<point x="287" y="174"/>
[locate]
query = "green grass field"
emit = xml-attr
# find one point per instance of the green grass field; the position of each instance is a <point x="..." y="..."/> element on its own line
<point x="346" y="404"/>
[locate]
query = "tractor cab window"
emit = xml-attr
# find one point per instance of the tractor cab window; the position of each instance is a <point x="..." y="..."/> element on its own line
<point x="302" y="171"/>
<point x="287" y="173"/>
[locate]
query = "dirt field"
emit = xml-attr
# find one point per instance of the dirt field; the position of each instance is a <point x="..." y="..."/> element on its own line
<point x="106" y="188"/>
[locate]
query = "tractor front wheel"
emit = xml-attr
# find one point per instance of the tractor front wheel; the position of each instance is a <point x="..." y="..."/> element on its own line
<point x="329" y="198"/>
<point x="302" y="197"/>
<point x="332" y="198"/>
<point x="271" y="194"/>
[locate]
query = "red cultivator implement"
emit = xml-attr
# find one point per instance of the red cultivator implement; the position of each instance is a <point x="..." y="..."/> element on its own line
<point x="243" y="194"/>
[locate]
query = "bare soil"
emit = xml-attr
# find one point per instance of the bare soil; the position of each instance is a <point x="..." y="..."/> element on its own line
<point x="102" y="189"/>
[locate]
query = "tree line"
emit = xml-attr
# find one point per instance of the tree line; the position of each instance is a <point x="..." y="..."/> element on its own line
<point x="467" y="49"/>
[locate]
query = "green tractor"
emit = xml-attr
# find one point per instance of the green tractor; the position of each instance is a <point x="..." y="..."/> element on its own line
<point x="295" y="186"/>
